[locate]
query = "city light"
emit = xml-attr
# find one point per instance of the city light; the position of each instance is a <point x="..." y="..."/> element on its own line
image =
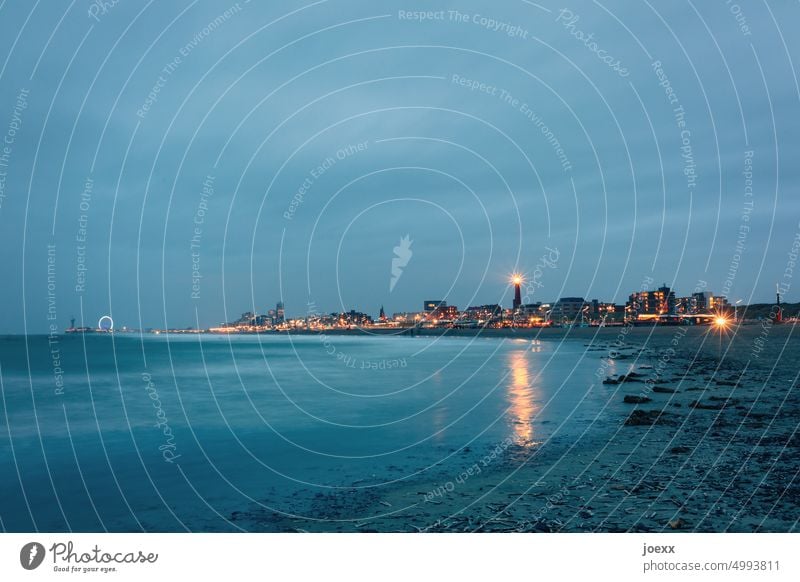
<point x="660" y="307"/>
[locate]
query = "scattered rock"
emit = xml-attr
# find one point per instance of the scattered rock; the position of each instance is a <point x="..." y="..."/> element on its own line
<point x="641" y="417"/>
<point x="631" y="399"/>
<point x="702" y="406"/>
<point x="663" y="390"/>
<point x="679" y="523"/>
<point x="632" y="377"/>
<point x="725" y="399"/>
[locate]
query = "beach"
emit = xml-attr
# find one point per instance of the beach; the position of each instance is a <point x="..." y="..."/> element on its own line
<point x="714" y="449"/>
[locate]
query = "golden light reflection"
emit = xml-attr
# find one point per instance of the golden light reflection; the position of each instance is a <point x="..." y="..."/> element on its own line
<point x="521" y="408"/>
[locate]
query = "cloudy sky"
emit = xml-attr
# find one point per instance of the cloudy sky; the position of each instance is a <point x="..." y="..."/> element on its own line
<point x="178" y="163"/>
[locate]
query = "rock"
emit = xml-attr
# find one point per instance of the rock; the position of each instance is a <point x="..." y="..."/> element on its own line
<point x="631" y="399"/>
<point x="663" y="390"/>
<point x="679" y="523"/>
<point x="641" y="417"/>
<point x="727" y="401"/>
<point x="679" y="450"/>
<point x="701" y="406"/>
<point x="629" y="378"/>
<point x="610" y="381"/>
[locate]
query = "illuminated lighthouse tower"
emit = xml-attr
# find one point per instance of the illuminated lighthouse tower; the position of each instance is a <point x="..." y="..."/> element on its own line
<point x="516" y="279"/>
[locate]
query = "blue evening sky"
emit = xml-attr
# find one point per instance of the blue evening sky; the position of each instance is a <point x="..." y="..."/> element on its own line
<point x="617" y="133"/>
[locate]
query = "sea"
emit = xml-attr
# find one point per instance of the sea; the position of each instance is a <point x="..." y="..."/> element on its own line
<point x="128" y="432"/>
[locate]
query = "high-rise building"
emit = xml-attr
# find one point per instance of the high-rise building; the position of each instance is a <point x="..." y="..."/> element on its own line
<point x="433" y="304"/>
<point x="707" y="302"/>
<point x="659" y="302"/>
<point x="280" y="314"/>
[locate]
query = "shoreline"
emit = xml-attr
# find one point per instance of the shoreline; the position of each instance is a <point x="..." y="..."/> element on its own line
<point x="700" y="444"/>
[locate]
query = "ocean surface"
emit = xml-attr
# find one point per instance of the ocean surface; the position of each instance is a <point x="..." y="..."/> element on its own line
<point x="149" y="433"/>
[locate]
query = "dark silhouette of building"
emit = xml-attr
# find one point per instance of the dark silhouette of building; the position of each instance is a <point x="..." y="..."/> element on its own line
<point x="433" y="304"/>
<point x="517" y="293"/>
<point x="567" y="309"/>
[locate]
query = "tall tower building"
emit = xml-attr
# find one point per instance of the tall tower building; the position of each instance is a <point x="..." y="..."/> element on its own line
<point x="516" y="279"/>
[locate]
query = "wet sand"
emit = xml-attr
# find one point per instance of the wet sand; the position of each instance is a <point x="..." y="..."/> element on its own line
<point x="706" y="440"/>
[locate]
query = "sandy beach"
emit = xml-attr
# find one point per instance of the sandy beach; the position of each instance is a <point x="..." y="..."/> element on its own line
<point x="699" y="433"/>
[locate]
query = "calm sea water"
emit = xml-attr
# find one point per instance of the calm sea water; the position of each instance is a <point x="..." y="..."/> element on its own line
<point x="150" y="433"/>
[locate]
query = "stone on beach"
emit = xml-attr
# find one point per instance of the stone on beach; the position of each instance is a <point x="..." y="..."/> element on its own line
<point x="631" y="399"/>
<point x="641" y="417"/>
<point x="632" y="377"/>
<point x="711" y="406"/>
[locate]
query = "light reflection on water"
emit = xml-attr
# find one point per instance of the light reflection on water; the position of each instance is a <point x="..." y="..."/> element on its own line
<point x="521" y="397"/>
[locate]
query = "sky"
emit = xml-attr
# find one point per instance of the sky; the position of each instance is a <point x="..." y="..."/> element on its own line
<point x="175" y="164"/>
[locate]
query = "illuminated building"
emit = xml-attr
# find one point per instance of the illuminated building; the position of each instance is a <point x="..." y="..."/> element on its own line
<point x="354" y="317"/>
<point x="659" y="302"/>
<point x="606" y="312"/>
<point x="482" y="314"/>
<point x="700" y="303"/>
<point x="446" y="312"/>
<point x="516" y="280"/>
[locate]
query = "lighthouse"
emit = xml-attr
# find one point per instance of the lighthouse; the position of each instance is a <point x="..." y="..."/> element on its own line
<point x="516" y="279"/>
